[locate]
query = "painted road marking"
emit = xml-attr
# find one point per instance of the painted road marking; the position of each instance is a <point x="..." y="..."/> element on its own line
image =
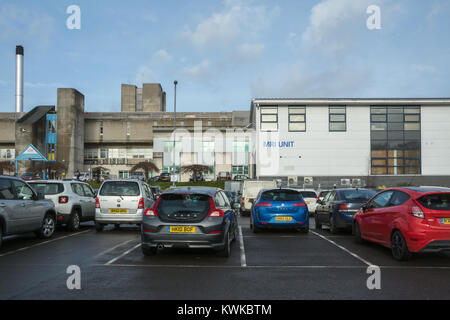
<point x="113" y="248"/>
<point x="344" y="249"/>
<point x="122" y="255"/>
<point x="241" y="246"/>
<point x="42" y="243"/>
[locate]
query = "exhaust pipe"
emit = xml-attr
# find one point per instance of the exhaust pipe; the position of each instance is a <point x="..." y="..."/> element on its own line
<point x="160" y="246"/>
<point x="19" y="78"/>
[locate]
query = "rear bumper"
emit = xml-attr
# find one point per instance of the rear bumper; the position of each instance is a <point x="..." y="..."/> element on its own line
<point x="298" y="221"/>
<point x="118" y="218"/>
<point x="344" y="220"/>
<point x="428" y="241"/>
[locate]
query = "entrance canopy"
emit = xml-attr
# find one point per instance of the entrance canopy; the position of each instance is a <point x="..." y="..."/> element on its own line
<point x="30" y="153"/>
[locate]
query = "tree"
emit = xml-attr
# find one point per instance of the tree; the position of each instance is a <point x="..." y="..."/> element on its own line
<point x="147" y="166"/>
<point x="195" y="169"/>
<point x="6" y="166"/>
<point x="52" y="168"/>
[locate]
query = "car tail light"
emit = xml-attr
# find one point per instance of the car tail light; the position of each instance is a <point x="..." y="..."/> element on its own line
<point x="214" y="212"/>
<point x="97" y="203"/>
<point x="141" y="203"/>
<point x="299" y="204"/>
<point x="215" y="232"/>
<point x="243" y="201"/>
<point x="150" y="213"/>
<point x="343" y="207"/>
<point x="63" y="199"/>
<point x="417" y="212"/>
<point x="264" y="204"/>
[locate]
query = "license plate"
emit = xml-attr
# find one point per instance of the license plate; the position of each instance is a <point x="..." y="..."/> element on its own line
<point x="185" y="229"/>
<point x="118" y="211"/>
<point x="308" y="202"/>
<point x="445" y="220"/>
<point x="283" y="219"/>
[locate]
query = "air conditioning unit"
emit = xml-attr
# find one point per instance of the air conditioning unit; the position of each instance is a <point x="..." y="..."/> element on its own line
<point x="356" y="182"/>
<point x="346" y="182"/>
<point x="292" y="181"/>
<point x="308" y="181"/>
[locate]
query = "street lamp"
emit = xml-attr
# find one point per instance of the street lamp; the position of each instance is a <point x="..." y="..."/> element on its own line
<point x="174" y="127"/>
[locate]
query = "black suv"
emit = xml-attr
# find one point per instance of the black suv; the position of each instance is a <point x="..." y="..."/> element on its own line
<point x="189" y="217"/>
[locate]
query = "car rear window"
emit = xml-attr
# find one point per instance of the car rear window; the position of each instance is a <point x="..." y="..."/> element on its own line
<point x="282" y="195"/>
<point x="357" y="195"/>
<point x="308" y="194"/>
<point x="436" y="201"/>
<point x="324" y="193"/>
<point x="183" y="203"/>
<point x="48" y="188"/>
<point x="120" y="188"/>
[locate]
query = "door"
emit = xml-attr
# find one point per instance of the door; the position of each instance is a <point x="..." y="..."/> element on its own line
<point x="149" y="199"/>
<point x="388" y="214"/>
<point x="30" y="212"/>
<point x="229" y="213"/>
<point x="79" y="198"/>
<point x="326" y="207"/>
<point x="89" y="201"/>
<point x="8" y="205"/>
<point x="373" y="217"/>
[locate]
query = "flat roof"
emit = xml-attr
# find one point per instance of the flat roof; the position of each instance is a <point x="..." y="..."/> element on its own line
<point x="353" y="101"/>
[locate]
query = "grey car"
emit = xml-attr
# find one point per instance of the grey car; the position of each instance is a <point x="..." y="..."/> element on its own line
<point x="74" y="200"/>
<point x="22" y="210"/>
<point x="190" y="217"/>
<point x="122" y="202"/>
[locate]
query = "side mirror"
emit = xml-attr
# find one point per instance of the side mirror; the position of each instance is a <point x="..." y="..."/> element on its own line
<point x="252" y="201"/>
<point x="365" y="207"/>
<point x="236" y="205"/>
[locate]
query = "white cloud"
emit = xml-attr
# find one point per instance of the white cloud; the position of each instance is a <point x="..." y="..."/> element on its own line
<point x="202" y="71"/>
<point x="249" y="51"/>
<point x="239" y="19"/>
<point x="21" y="23"/>
<point x="334" y="24"/>
<point x="145" y="75"/>
<point x="161" y="56"/>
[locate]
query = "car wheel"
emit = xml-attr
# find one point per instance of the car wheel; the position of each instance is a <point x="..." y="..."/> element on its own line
<point x="333" y="228"/>
<point x="48" y="227"/>
<point x="74" y="221"/>
<point x="149" y="251"/>
<point x="235" y="235"/>
<point x="99" y="227"/>
<point x="225" y="252"/>
<point x="358" y="238"/>
<point x="117" y="226"/>
<point x="318" y="224"/>
<point x="399" y="247"/>
<point x="303" y="230"/>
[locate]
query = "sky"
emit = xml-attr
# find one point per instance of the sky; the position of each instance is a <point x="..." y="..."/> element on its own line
<point x="225" y="52"/>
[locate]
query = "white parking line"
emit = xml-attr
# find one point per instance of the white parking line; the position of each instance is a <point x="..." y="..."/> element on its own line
<point x="122" y="255"/>
<point x="241" y="246"/>
<point x="42" y="243"/>
<point x="113" y="248"/>
<point x="344" y="249"/>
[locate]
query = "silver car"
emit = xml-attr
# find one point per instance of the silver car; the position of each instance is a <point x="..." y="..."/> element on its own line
<point x="122" y="202"/>
<point x="22" y="210"/>
<point x="74" y="200"/>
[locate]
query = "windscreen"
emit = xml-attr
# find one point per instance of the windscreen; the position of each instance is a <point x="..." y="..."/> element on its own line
<point x="308" y="194"/>
<point x="357" y="195"/>
<point x="120" y="188"/>
<point x="48" y="188"/>
<point x="436" y="201"/>
<point x="183" y="203"/>
<point x="281" y="195"/>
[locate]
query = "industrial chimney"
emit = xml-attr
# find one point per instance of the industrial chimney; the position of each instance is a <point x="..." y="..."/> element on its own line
<point x="19" y="79"/>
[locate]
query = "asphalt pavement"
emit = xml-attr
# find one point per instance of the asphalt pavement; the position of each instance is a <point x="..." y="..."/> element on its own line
<point x="270" y="265"/>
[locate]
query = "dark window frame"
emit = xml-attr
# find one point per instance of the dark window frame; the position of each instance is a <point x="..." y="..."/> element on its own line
<point x="296" y="114"/>
<point x="330" y="114"/>
<point x="261" y="114"/>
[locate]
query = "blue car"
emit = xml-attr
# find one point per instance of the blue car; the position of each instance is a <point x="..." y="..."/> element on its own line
<point x="279" y="208"/>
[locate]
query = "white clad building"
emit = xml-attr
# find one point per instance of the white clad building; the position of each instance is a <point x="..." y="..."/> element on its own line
<point x="364" y="141"/>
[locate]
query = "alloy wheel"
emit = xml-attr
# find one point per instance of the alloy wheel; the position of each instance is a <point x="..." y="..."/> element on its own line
<point x="48" y="227"/>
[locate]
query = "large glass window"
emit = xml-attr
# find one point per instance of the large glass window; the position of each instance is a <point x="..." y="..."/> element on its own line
<point x="297" y="119"/>
<point x="338" y="118"/>
<point x="395" y="140"/>
<point x="269" y="118"/>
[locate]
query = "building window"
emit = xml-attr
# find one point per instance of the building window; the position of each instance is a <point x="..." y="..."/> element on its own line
<point x="128" y="128"/>
<point x="337" y="119"/>
<point x="101" y="127"/>
<point x="395" y="140"/>
<point x="168" y="146"/>
<point x="297" y="119"/>
<point x="103" y="153"/>
<point x="7" y="153"/>
<point x="269" y="118"/>
<point x="155" y="123"/>
<point x="124" y="174"/>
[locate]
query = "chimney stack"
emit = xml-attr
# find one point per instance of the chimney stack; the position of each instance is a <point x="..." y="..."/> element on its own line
<point x="19" y="79"/>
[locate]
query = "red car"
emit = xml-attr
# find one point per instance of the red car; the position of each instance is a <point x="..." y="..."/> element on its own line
<point x="407" y="220"/>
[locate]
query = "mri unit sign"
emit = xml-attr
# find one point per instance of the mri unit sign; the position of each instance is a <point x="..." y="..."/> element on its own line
<point x="279" y="144"/>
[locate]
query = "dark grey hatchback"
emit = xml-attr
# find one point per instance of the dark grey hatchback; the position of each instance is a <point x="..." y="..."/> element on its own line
<point x="189" y="217"/>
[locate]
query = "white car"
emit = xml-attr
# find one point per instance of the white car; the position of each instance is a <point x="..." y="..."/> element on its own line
<point x="310" y="197"/>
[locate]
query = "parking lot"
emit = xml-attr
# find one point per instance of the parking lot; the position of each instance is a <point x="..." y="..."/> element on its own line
<point x="269" y="265"/>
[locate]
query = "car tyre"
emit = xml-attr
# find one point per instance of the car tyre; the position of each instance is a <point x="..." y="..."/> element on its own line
<point x="333" y="228"/>
<point x="399" y="247"/>
<point x="304" y="230"/>
<point x="254" y="228"/>
<point x="74" y="221"/>
<point x="99" y="227"/>
<point x="358" y="238"/>
<point x="226" y="251"/>
<point x="149" y="251"/>
<point x="47" y="228"/>
<point x="117" y="226"/>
